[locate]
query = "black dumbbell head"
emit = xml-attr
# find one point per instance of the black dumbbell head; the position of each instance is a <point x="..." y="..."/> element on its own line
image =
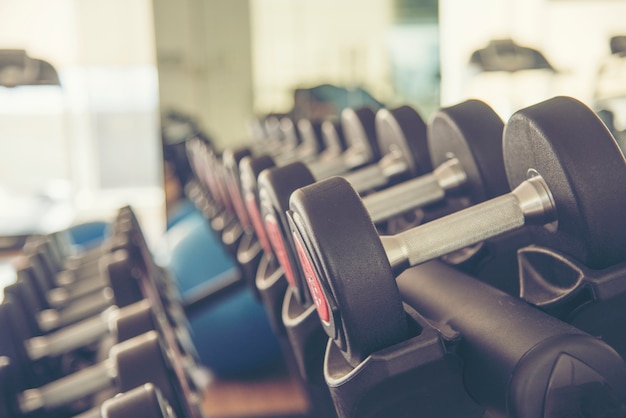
<point x="143" y="401"/>
<point x="351" y="282"/>
<point x="472" y="132"/>
<point x="275" y="188"/>
<point x="568" y="145"/>
<point x="359" y="129"/>
<point x="403" y="130"/>
<point x="311" y="134"/>
<point x="333" y="137"/>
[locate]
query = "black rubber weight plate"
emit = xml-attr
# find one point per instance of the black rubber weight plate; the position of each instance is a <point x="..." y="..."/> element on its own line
<point x="141" y="359"/>
<point x="472" y="132"/>
<point x="359" y="129"/>
<point x="404" y="129"/>
<point x="311" y="133"/>
<point x="351" y="263"/>
<point x="567" y="144"/>
<point x="275" y="188"/>
<point x="143" y="401"/>
<point x="332" y="136"/>
<point x="250" y="168"/>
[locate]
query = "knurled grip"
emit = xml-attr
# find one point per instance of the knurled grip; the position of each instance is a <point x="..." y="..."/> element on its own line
<point x="456" y="231"/>
<point x="366" y="178"/>
<point x="70" y="388"/>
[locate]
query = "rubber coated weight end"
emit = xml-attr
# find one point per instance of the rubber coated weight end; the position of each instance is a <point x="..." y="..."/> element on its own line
<point x="143" y="401"/>
<point x="230" y="160"/>
<point x="311" y="134"/>
<point x="568" y="145"/>
<point x="333" y="137"/>
<point x="250" y="168"/>
<point x="472" y="132"/>
<point x="350" y="267"/>
<point x="275" y="188"/>
<point x="403" y="130"/>
<point x="291" y="136"/>
<point x="359" y="129"/>
<point x="143" y="359"/>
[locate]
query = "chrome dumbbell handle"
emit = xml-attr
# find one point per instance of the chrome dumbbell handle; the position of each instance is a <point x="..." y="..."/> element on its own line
<point x="415" y="193"/>
<point x="530" y="203"/>
<point x="70" y="337"/>
<point x="76" y="386"/>
<point x="377" y="175"/>
<point x="50" y="319"/>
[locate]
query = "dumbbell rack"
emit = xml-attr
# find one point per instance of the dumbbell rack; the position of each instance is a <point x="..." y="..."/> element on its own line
<point x="125" y="268"/>
<point x="399" y="383"/>
<point x="448" y="362"/>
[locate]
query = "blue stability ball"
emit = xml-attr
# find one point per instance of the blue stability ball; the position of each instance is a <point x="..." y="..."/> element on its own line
<point x="232" y="335"/>
<point x="88" y="234"/>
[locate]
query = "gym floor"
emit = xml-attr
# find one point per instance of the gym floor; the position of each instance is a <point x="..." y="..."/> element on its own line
<point x="272" y="394"/>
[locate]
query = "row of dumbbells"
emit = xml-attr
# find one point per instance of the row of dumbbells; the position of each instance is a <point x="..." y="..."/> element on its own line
<point x="461" y="267"/>
<point x="95" y="333"/>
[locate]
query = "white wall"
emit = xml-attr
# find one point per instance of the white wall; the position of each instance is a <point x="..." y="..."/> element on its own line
<point x="100" y="131"/>
<point x="204" y="58"/>
<point x="573" y="35"/>
<point x="306" y="42"/>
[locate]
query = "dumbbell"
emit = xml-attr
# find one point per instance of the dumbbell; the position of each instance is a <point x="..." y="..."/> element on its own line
<point x="120" y="290"/>
<point x="136" y="315"/>
<point x="244" y="192"/>
<point x="130" y="364"/>
<point x="216" y="204"/>
<point x="247" y="252"/>
<point x="129" y="284"/>
<point x="470" y="131"/>
<point x="199" y="191"/>
<point x="558" y="156"/>
<point x="65" y="251"/>
<point x="143" y="401"/>
<point x="358" y="125"/>
<point x="119" y="323"/>
<point x="313" y="143"/>
<point x="83" y="276"/>
<point x="128" y="237"/>
<point x="281" y="135"/>
<point x="46" y="316"/>
<point x="63" y="286"/>
<point x="66" y="267"/>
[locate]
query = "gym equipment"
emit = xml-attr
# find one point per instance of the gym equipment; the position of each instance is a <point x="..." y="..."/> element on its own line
<point x="546" y="153"/>
<point x="121" y="324"/>
<point x="248" y="252"/>
<point x="144" y="401"/>
<point x="131" y="277"/>
<point x="472" y="351"/>
<point x="269" y="278"/>
<point x="470" y="132"/>
<point x="131" y="363"/>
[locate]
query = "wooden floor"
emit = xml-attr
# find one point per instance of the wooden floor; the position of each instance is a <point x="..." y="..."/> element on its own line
<point x="275" y="393"/>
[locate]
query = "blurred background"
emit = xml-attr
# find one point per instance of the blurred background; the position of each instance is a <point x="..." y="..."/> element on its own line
<point x="85" y="84"/>
<point x="90" y="139"/>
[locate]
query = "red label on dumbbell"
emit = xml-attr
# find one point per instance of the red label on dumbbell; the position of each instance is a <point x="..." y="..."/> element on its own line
<point x="235" y="196"/>
<point x="257" y="224"/>
<point x="313" y="282"/>
<point x="276" y="239"/>
<point x="213" y="188"/>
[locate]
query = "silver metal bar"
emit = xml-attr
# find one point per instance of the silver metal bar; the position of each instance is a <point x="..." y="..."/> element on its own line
<point x="70" y="337"/>
<point x="529" y="203"/>
<point x="70" y="388"/>
<point x="403" y="197"/>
